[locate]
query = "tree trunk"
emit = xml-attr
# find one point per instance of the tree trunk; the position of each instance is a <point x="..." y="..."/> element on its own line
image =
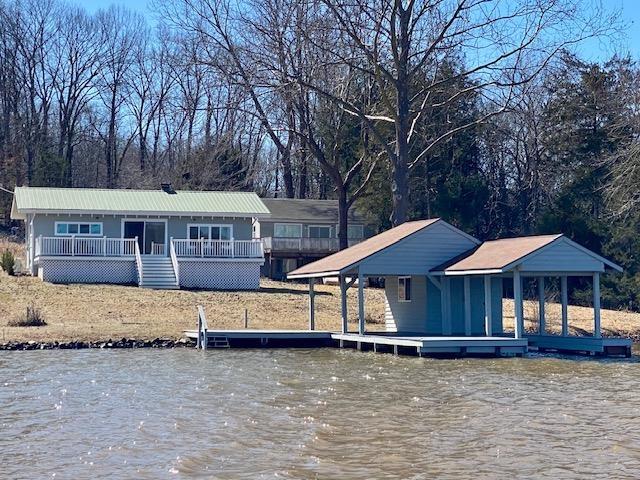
<point x="400" y="164"/>
<point x="343" y="212"/>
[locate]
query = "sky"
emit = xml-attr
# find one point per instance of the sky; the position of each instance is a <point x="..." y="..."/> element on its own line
<point x="591" y="50"/>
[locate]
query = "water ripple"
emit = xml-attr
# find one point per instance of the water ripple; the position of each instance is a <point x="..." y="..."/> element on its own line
<point x="314" y="414"/>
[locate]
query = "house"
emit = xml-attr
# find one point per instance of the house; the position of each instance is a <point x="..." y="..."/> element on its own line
<point x="300" y="231"/>
<point x="152" y="238"/>
<point x="444" y="289"/>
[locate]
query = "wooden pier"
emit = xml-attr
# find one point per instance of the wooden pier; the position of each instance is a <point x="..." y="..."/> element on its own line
<point x="583" y="345"/>
<point x="434" y="345"/>
<point x="405" y="344"/>
<point x="253" y="338"/>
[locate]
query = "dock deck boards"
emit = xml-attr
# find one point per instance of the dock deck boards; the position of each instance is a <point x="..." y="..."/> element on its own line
<point x="573" y="344"/>
<point x="415" y="343"/>
<point x="439" y="344"/>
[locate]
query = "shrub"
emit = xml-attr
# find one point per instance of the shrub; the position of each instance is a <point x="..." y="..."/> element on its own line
<point x="32" y="318"/>
<point x="8" y="262"/>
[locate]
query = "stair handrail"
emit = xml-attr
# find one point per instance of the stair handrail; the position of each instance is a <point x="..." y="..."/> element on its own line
<point x="138" y="260"/>
<point x="202" y="329"/>
<point x="174" y="260"/>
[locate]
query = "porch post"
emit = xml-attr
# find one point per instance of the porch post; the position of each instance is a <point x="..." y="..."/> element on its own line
<point x="565" y="301"/>
<point x="596" y="305"/>
<point x="467" y="306"/>
<point x="360" y="303"/>
<point x="517" y="300"/>
<point x="312" y="297"/>
<point x="541" y="313"/>
<point x="445" y="305"/>
<point x="487" y="306"/>
<point x="343" y="304"/>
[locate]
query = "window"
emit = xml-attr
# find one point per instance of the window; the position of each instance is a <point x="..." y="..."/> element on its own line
<point x="79" y="228"/>
<point x="287" y="230"/>
<point x="319" y="231"/>
<point x="404" y="289"/>
<point x="210" y="232"/>
<point x="353" y="231"/>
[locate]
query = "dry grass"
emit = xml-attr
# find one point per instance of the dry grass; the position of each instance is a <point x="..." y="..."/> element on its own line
<point x="613" y="322"/>
<point x="100" y="312"/>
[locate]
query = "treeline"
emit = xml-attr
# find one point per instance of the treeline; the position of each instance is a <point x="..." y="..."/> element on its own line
<point x="471" y="110"/>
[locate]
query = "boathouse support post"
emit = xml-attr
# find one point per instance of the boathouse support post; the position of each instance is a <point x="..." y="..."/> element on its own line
<point x="343" y="304"/>
<point x="488" y="316"/>
<point x="312" y="301"/>
<point x="542" y="327"/>
<point x="596" y="305"/>
<point x="445" y="302"/>
<point x="564" y="299"/>
<point x="467" y="306"/>
<point x="518" y="320"/>
<point x="360" y="303"/>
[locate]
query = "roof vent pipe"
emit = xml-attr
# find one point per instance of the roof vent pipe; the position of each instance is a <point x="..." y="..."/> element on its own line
<point x="167" y="188"/>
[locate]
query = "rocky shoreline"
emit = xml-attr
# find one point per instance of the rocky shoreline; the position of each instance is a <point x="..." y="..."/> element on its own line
<point x="108" y="344"/>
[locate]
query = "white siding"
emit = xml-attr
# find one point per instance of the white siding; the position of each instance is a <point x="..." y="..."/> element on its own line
<point x="419" y="253"/>
<point x="561" y="256"/>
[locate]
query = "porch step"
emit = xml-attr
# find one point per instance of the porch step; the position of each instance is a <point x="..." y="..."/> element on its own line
<point x="158" y="273"/>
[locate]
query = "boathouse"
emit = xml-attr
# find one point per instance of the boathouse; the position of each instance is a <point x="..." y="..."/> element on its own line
<point x="444" y="289"/>
<point x="153" y="238"/>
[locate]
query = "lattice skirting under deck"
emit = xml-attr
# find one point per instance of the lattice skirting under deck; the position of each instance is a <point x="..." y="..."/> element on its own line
<point x="88" y="271"/>
<point x="219" y="275"/>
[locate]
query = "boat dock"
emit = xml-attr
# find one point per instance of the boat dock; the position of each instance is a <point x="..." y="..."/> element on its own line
<point x="405" y="343"/>
<point x="415" y="345"/>
<point x="252" y="338"/>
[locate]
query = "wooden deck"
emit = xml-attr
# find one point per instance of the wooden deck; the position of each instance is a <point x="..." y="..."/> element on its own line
<point x="405" y="343"/>
<point x="248" y="338"/>
<point x="588" y="345"/>
<point x="426" y="345"/>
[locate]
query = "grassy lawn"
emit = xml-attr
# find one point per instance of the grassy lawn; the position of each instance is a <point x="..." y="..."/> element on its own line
<point x="100" y="312"/>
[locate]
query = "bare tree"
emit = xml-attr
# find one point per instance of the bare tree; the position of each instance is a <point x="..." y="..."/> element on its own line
<point x="402" y="45"/>
<point x="78" y="46"/>
<point x="121" y="36"/>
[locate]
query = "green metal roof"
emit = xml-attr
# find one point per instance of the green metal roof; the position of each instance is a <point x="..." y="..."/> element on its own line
<point x="147" y="202"/>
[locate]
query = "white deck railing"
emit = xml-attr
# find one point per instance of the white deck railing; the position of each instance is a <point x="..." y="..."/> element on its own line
<point x="298" y="244"/>
<point x="157" y="249"/>
<point x="136" y="251"/>
<point x="174" y="260"/>
<point x="218" y="248"/>
<point x="85" y="247"/>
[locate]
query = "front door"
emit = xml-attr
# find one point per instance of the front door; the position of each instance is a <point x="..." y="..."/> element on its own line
<point x="151" y="235"/>
<point x="154" y="238"/>
<point x="133" y="230"/>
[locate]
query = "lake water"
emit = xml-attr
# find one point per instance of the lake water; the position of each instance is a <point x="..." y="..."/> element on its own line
<point x="314" y="414"/>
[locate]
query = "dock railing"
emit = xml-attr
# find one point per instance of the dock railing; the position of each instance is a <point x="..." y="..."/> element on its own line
<point x="204" y="248"/>
<point x="74" y="246"/>
<point x="202" y="340"/>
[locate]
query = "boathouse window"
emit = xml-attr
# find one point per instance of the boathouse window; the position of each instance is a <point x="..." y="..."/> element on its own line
<point x="79" y="228"/>
<point x="210" y="232"/>
<point x="404" y="289"/>
<point x="287" y="230"/>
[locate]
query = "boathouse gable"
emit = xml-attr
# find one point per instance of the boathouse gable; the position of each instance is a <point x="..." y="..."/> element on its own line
<point x="418" y="253"/>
